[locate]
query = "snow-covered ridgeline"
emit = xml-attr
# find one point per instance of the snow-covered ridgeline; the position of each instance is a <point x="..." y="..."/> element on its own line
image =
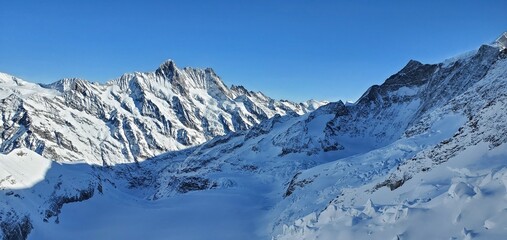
<point x="136" y="116"/>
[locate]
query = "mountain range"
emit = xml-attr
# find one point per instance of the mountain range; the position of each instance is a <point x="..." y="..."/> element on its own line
<point x="177" y="154"/>
<point x="129" y="119"/>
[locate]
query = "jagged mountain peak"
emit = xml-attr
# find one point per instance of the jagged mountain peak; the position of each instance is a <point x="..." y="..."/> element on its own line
<point x="412" y="64"/>
<point x="414" y="73"/>
<point x="186" y="79"/>
<point x="68" y="84"/>
<point x="167" y="68"/>
<point x="239" y="90"/>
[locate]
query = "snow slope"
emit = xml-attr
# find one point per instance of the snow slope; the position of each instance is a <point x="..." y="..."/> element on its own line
<point x="425" y="149"/>
<point x="19" y="169"/>
<point x="452" y="185"/>
<point x="463" y="198"/>
<point x="34" y="189"/>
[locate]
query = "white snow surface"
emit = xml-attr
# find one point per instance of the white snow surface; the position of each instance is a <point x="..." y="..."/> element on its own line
<point x="22" y="168"/>
<point x="464" y="198"/>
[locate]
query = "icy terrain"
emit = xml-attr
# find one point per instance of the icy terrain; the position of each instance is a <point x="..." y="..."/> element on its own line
<point x="424" y="150"/>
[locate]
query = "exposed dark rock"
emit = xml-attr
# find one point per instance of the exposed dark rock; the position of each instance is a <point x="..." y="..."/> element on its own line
<point x="57" y="202"/>
<point x="295" y="183"/>
<point x="14" y="227"/>
<point x="188" y="184"/>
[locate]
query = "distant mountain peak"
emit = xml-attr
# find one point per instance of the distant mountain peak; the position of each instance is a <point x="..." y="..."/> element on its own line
<point x="412" y="64"/>
<point x="239" y="89"/>
<point x="67" y="84"/>
<point x="414" y="73"/>
<point x="168" y="63"/>
<point x="167" y="68"/>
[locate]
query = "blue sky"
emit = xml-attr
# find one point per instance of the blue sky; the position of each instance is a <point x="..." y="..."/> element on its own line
<point x="295" y="50"/>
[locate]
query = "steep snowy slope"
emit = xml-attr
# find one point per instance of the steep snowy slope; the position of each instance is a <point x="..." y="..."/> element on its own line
<point x="445" y="173"/>
<point x="131" y="118"/>
<point x="34" y="189"/>
<point x="429" y="141"/>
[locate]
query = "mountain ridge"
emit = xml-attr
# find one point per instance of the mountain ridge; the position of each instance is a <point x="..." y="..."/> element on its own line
<point x="141" y="114"/>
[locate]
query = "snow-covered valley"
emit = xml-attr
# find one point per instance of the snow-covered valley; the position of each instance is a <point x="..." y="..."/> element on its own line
<point x="421" y="156"/>
<point x="220" y="214"/>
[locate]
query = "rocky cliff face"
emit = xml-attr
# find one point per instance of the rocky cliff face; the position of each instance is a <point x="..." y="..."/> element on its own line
<point x="134" y="117"/>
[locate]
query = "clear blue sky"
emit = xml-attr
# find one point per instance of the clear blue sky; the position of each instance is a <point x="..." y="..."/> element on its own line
<point x="289" y="49"/>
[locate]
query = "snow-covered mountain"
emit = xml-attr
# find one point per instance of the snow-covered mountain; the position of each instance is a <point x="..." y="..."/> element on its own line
<point x="424" y="150"/>
<point x="136" y="116"/>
